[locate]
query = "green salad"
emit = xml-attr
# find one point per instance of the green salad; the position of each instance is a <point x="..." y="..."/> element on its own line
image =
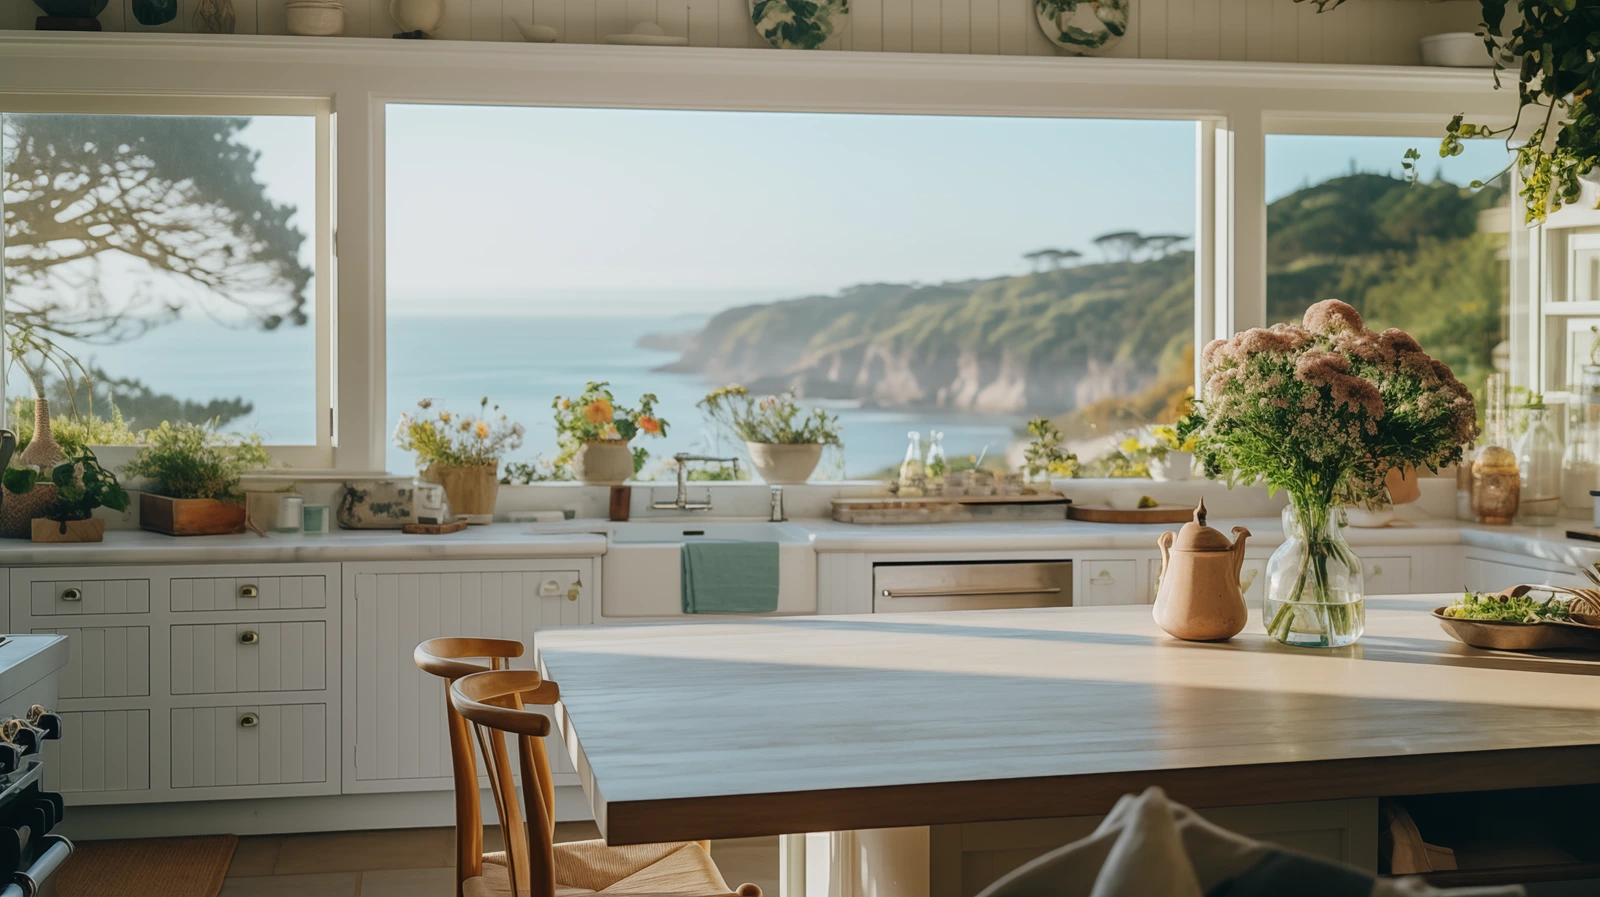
<point x="1507" y="608"/>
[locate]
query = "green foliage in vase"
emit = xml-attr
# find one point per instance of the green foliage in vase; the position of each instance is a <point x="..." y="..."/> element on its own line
<point x="448" y="439"/>
<point x="1045" y="457"/>
<point x="595" y="416"/>
<point x="81" y="486"/>
<point x="773" y="420"/>
<point x="195" y="461"/>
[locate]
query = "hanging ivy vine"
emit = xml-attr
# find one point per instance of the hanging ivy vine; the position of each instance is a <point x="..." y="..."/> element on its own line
<point x="1556" y="42"/>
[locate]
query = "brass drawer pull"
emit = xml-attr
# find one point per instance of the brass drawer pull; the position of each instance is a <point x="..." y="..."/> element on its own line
<point x="249" y="721"/>
<point x="72" y="594"/>
<point x="249" y="591"/>
<point x="249" y="637"/>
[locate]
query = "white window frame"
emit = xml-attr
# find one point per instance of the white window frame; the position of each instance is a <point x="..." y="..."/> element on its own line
<point x="1235" y="103"/>
<point x="320" y="454"/>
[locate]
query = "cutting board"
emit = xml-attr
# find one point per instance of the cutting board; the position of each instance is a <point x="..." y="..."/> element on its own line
<point x="1108" y="514"/>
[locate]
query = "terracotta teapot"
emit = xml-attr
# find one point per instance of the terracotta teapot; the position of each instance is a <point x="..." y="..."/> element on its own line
<point x="1199" y="598"/>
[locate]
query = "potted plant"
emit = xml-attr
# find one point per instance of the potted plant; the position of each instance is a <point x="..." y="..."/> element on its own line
<point x="1323" y="410"/>
<point x="81" y="485"/>
<point x="1172" y="452"/>
<point x="460" y="452"/>
<point x="1046" y="457"/>
<point x="194" y="475"/>
<point x="785" y="441"/>
<point x="593" y="433"/>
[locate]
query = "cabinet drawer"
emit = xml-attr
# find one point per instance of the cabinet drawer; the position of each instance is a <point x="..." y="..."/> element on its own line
<point x="1108" y="582"/>
<point x="100" y="750"/>
<point x="257" y="744"/>
<point x="49" y="598"/>
<point x="105" y="661"/>
<point x="228" y="658"/>
<point x="1385" y="576"/>
<point x="223" y="593"/>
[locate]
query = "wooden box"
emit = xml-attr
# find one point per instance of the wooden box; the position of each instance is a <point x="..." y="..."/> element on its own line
<point x="91" y="530"/>
<point x="189" y="516"/>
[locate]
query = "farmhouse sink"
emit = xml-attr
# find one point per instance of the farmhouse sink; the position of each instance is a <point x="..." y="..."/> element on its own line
<point x="640" y="571"/>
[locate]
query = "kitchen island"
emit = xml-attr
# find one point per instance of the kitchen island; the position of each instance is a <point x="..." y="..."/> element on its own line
<point x="908" y="731"/>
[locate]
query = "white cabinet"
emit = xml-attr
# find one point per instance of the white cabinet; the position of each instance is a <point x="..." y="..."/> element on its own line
<point x="153" y="647"/>
<point x="394" y="715"/>
<point x="1385" y="575"/>
<point x="1106" y="581"/>
<point x="1487" y="572"/>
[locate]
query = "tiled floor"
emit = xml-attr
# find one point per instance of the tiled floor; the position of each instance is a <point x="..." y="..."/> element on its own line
<point x="419" y="863"/>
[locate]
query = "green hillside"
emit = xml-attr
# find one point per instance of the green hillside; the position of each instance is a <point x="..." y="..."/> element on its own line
<point x="1108" y="345"/>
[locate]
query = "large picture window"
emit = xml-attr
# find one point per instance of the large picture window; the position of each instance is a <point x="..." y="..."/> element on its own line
<point x="910" y="273"/>
<point x="167" y="263"/>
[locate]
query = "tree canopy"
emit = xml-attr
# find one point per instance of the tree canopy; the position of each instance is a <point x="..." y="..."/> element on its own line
<point x="179" y="194"/>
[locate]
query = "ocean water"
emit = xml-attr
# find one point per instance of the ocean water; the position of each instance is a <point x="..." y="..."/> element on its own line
<point x="521" y="363"/>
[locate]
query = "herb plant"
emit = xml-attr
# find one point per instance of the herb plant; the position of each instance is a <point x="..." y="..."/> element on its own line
<point x="188" y="460"/>
<point x="81" y="486"/>
<point x="772" y="420"/>
<point x="1507" y="608"/>
<point x="1045" y="457"/>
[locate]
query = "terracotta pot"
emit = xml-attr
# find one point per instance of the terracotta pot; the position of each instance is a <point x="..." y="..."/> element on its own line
<point x="91" y="530"/>
<point x="603" y="463"/>
<point x="1402" y="483"/>
<point x="784" y="465"/>
<point x="470" y="490"/>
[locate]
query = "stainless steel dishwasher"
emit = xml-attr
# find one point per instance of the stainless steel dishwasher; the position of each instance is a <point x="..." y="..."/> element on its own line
<point x="899" y="588"/>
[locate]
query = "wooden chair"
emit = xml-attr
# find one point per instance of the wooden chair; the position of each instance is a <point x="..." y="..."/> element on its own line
<point x="492" y="703"/>
<point x="450" y="659"/>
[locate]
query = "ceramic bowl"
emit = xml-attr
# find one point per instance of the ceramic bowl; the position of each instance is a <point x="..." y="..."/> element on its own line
<point x="537" y="34"/>
<point x="314" y="21"/>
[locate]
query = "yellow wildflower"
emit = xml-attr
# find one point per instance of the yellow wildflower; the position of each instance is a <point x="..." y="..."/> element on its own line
<point x="483" y="429"/>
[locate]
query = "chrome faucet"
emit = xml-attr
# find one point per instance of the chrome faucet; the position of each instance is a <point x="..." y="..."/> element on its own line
<point x="682" y="502"/>
<point x="777" y="506"/>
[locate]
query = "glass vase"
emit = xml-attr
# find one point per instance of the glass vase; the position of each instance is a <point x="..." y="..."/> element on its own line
<point x="1314" y="596"/>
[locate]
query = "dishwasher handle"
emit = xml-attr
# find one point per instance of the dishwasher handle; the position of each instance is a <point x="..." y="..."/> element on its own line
<point x="970" y="593"/>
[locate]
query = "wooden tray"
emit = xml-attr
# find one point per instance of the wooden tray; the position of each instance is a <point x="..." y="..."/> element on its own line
<point x="1549" y="635"/>
<point x="895" y="502"/>
<point x="1158" y="514"/>
<point x="434" y="529"/>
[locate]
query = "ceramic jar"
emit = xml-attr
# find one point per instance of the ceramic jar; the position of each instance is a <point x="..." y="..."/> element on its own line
<point x="1496" y="486"/>
<point x="471" y="490"/>
<point x="599" y="464"/>
<point x="784" y="465"/>
<point x="18" y="511"/>
<point x="417" y="18"/>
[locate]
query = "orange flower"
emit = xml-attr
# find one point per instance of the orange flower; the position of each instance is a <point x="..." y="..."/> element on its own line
<point x="649" y="424"/>
<point x="483" y="429"/>
<point x="599" y="412"/>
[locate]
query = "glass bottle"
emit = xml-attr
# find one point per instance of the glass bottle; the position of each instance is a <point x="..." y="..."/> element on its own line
<point x="911" y="468"/>
<point x="1580" y="466"/>
<point x="935" y="464"/>
<point x="1539" y="454"/>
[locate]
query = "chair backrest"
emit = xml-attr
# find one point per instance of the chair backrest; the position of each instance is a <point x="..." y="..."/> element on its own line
<point x="450" y="659"/>
<point x="492" y="703"/>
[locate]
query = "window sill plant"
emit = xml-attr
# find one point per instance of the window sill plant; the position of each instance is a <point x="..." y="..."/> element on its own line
<point x="194" y="474"/>
<point x="1324" y="411"/>
<point x="461" y="453"/>
<point x="81" y="486"/>
<point x="785" y="442"/>
<point x="593" y="433"/>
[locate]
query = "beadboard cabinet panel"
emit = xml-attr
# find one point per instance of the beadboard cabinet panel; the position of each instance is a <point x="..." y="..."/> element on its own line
<point x="248" y="593"/>
<point x="77" y="597"/>
<point x="106" y="661"/>
<point x="251" y="745"/>
<point x="390" y="608"/>
<point x="104" y="758"/>
<point x="227" y="658"/>
<point x="1359" y="31"/>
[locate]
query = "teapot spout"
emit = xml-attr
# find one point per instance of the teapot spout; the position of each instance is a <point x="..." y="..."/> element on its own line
<point x="1239" y="535"/>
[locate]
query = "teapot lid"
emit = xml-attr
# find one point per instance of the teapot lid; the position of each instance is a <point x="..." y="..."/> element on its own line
<point x="1196" y="536"/>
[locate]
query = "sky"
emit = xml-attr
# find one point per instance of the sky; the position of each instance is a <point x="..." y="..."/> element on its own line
<point x="656" y="212"/>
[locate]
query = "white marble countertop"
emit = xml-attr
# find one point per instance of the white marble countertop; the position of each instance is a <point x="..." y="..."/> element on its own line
<point x="586" y="538"/>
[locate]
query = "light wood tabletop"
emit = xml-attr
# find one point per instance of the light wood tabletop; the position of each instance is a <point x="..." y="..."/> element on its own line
<point x="776" y="726"/>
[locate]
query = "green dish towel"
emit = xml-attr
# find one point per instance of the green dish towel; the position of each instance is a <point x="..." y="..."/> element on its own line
<point x="729" y="577"/>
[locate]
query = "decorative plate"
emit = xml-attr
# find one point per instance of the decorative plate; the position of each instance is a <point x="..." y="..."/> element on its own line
<point x="1083" y="26"/>
<point x="801" y="24"/>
